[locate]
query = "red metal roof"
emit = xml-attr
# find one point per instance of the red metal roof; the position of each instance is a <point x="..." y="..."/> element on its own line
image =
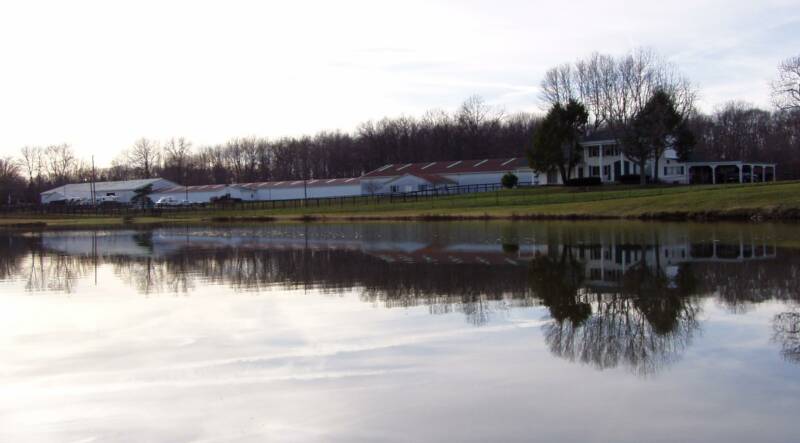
<point x="450" y="167"/>
<point x="299" y="183"/>
<point x="431" y="178"/>
<point x="201" y="188"/>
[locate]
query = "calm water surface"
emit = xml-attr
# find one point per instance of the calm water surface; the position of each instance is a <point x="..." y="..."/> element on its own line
<point x="620" y="332"/>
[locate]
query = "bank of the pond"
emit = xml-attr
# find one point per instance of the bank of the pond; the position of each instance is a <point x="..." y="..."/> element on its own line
<point x="773" y="201"/>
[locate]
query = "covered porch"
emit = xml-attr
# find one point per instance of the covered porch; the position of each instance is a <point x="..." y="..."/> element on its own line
<point x="730" y="172"/>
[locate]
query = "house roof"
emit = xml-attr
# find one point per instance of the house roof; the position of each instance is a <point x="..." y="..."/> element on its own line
<point x="603" y="135"/>
<point x="450" y="167"/>
<point x="299" y="183"/>
<point x="115" y="186"/>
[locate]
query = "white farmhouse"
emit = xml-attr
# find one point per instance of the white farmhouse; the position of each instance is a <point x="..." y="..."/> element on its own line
<point x="120" y="191"/>
<point x="603" y="158"/>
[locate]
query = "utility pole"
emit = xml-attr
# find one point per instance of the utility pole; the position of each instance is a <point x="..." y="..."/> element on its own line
<point x="92" y="189"/>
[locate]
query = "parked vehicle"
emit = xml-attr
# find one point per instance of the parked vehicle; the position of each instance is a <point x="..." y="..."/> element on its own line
<point x="167" y="201"/>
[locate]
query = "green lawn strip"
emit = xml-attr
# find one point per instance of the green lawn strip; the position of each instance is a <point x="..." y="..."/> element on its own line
<point x="608" y="201"/>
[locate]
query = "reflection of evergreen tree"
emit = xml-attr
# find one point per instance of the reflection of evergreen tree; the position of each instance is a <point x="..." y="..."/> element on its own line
<point x="144" y="239"/>
<point x="556" y="282"/>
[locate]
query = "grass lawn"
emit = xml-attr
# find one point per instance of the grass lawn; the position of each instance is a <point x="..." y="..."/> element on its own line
<point x="772" y="200"/>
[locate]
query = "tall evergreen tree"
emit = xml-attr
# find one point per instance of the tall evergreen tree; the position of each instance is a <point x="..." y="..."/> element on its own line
<point x="658" y="126"/>
<point x="556" y="143"/>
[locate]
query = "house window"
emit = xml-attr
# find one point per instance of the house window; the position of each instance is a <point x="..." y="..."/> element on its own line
<point x="394" y="189"/>
<point x="607" y="170"/>
<point x="594" y="171"/>
<point x="422" y="187"/>
<point x="580" y="172"/>
<point x="673" y="170"/>
<point x="594" y="151"/>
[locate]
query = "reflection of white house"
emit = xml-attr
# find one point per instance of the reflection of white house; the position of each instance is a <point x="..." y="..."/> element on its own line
<point x="203" y="194"/>
<point x="121" y="191"/>
<point x="605" y="264"/>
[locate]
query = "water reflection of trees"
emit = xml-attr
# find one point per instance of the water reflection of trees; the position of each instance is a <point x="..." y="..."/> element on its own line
<point x="639" y="313"/>
<point x="473" y="289"/>
<point x="786" y="326"/>
<point x="644" y="324"/>
<point x="22" y="258"/>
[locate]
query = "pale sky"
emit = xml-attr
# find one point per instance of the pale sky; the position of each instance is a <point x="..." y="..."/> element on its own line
<point x="100" y="74"/>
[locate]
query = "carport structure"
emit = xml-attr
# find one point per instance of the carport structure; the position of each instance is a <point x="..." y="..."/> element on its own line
<point x="730" y="172"/>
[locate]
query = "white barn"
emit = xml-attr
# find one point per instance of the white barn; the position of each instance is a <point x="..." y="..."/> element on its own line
<point x="410" y="177"/>
<point x="299" y="189"/>
<point x="204" y="193"/>
<point x="121" y="191"/>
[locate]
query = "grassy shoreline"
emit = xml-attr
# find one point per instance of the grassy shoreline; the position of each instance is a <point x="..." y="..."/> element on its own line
<point x="765" y="201"/>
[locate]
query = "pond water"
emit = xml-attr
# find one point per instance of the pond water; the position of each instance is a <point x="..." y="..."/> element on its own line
<point x="612" y="331"/>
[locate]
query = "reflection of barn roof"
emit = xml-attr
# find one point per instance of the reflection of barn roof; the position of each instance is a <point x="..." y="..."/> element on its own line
<point x="450" y="167"/>
<point x="442" y="256"/>
<point x="299" y="183"/>
<point x="115" y="186"/>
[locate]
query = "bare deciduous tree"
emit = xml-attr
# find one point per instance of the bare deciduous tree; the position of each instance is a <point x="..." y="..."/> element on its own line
<point x="32" y="163"/>
<point x="615" y="89"/>
<point x="786" y="87"/>
<point x="60" y="162"/>
<point x="144" y="156"/>
<point x="177" y="153"/>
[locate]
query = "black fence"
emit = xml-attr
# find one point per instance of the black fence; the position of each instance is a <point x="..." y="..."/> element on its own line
<point x="124" y="210"/>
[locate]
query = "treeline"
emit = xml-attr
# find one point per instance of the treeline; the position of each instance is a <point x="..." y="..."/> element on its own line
<point x="740" y="131"/>
<point x="475" y="130"/>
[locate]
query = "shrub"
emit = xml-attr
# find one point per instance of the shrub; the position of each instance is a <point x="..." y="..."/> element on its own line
<point x="509" y="180"/>
<point x="585" y="181"/>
